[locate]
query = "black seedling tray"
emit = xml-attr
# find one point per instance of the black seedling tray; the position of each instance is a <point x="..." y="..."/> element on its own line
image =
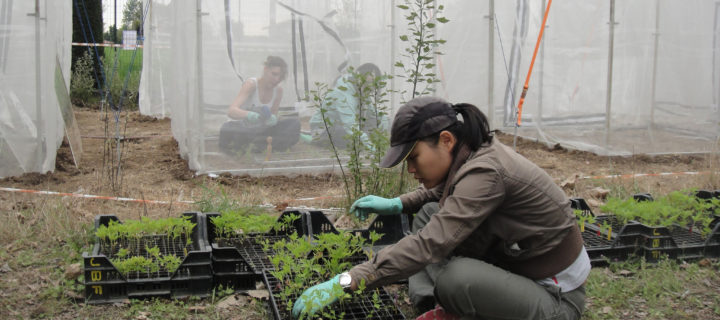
<point x="690" y="244"/>
<point x="238" y="263"/>
<point x="600" y="249"/>
<point x="105" y="284"/>
<point x="359" y="307"/>
<point x="393" y="227"/>
<point x="651" y="242"/>
<point x="580" y="204"/>
<point x="621" y="235"/>
<point x="712" y="245"/>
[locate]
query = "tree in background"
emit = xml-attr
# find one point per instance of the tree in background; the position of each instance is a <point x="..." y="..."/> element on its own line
<point x="132" y="15"/>
<point x="89" y="17"/>
<point x="109" y="33"/>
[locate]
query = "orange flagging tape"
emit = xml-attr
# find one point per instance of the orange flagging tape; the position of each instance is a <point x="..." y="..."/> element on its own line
<point x="636" y="175"/>
<point x="90" y="196"/>
<point x="106" y="45"/>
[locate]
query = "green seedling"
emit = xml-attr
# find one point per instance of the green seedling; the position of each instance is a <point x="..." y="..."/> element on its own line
<point x="141" y="241"/>
<point x="299" y="264"/>
<point x="583" y="219"/>
<point x="678" y="208"/>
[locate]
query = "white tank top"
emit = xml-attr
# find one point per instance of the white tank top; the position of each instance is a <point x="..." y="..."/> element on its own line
<point x="254" y="98"/>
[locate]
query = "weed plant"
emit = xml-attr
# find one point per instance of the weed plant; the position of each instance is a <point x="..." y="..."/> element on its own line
<point x="678" y="208"/>
<point x="216" y="200"/>
<point x="82" y="82"/>
<point x="668" y="289"/>
<point x="418" y="60"/>
<point x="144" y="248"/>
<point x="417" y="63"/>
<point x="299" y="264"/>
<point x="122" y="72"/>
<point x="368" y="138"/>
<point x="117" y="72"/>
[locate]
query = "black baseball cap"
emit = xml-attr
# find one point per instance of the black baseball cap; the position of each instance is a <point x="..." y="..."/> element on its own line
<point x="418" y="118"/>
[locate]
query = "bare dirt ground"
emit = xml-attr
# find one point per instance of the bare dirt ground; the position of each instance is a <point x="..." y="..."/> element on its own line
<point x="153" y="170"/>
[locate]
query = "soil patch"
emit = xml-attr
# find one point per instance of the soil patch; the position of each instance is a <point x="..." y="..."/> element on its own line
<point x="153" y="169"/>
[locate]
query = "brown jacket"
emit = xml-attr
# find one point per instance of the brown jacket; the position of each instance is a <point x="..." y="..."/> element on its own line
<point x="497" y="199"/>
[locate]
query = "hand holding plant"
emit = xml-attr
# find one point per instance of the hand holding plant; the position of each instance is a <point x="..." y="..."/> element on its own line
<point x="318" y="297"/>
<point x="374" y="204"/>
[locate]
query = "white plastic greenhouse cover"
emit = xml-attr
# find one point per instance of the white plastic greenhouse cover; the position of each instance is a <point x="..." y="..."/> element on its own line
<point x="34" y="50"/>
<point x="661" y="95"/>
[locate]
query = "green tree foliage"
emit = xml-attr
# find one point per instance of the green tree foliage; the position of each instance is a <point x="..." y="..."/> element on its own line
<point x="82" y="82"/>
<point x="367" y="141"/>
<point x="112" y="33"/>
<point x="421" y="45"/>
<point x="87" y="14"/>
<point x="132" y="15"/>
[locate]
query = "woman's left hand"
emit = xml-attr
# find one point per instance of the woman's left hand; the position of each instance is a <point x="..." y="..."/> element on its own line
<point x="374" y="204"/>
<point x="271" y="121"/>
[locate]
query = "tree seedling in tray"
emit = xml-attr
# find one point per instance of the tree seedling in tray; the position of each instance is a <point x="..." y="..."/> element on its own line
<point x="300" y="264"/>
<point x="146" y="248"/>
<point x="675" y="209"/>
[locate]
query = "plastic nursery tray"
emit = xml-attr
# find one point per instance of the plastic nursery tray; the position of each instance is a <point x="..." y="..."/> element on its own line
<point x="715" y="212"/>
<point x="601" y="251"/>
<point x="682" y="243"/>
<point x="712" y="245"/>
<point x="677" y="242"/>
<point x="690" y="243"/>
<point x="651" y="242"/>
<point x="359" y="307"/>
<point x="238" y="263"/>
<point x="104" y="284"/>
<point x="393" y="227"/>
<point x="621" y="235"/>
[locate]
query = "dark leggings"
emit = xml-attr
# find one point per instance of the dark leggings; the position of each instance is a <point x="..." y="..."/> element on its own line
<point x="236" y="136"/>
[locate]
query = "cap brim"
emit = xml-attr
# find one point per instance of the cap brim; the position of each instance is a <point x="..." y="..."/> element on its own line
<point x="397" y="154"/>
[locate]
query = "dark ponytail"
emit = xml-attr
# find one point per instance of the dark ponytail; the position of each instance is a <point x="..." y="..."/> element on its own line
<point x="473" y="131"/>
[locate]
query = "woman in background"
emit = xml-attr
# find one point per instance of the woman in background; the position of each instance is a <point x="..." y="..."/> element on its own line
<point x="341" y="109"/>
<point x="253" y="114"/>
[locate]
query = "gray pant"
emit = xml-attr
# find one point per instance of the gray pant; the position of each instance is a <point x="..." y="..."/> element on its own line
<point x="479" y="290"/>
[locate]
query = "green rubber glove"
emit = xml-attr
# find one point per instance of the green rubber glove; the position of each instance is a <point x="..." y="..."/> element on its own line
<point x="306" y="138"/>
<point x="252" y="117"/>
<point x="317" y="297"/>
<point x="374" y="204"/>
<point x="272" y="121"/>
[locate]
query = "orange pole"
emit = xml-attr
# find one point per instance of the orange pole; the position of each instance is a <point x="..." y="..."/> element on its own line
<point x="532" y="62"/>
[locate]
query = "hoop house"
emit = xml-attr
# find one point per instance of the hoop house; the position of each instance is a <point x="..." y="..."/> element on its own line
<point x="34" y="77"/>
<point x="198" y="53"/>
<point x="611" y="78"/>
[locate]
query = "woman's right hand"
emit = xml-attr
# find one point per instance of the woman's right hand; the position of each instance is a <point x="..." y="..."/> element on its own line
<point x="374" y="204"/>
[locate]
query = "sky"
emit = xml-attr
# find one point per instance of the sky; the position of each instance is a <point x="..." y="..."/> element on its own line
<point x="108" y="7"/>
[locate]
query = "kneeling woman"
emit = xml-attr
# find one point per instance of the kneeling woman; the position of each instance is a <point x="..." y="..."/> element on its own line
<point x="494" y="237"/>
<point x="252" y="116"/>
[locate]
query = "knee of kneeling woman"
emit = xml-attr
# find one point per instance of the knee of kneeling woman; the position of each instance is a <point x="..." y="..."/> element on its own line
<point x="449" y="285"/>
